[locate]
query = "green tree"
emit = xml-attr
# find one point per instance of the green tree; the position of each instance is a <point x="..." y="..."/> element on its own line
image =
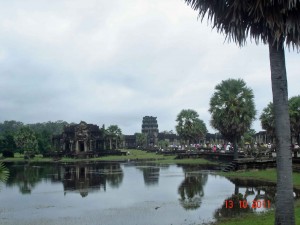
<point x="141" y="139"/>
<point x="232" y="110"/>
<point x="163" y="144"/>
<point x="10" y="127"/>
<point x="249" y="136"/>
<point x="274" y="22"/>
<point x="267" y="120"/>
<point x="51" y="127"/>
<point x="26" y="140"/>
<point x="7" y="142"/>
<point x="168" y="132"/>
<point x="114" y="133"/>
<point x="44" y="140"/>
<point x="189" y="127"/>
<point x="294" y="110"/>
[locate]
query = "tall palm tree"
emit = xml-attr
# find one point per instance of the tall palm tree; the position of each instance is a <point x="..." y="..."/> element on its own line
<point x="273" y="22"/>
<point x="232" y="110"/>
<point x="114" y="133"/>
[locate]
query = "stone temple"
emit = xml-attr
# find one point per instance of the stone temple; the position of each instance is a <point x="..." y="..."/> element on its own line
<point x="80" y="138"/>
<point x="150" y="129"/>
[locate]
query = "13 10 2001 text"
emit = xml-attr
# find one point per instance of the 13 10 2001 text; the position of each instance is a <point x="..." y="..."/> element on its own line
<point x="255" y="204"/>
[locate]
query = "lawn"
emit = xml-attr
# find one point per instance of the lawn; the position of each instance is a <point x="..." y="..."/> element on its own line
<point x="134" y="155"/>
<point x="266" y="175"/>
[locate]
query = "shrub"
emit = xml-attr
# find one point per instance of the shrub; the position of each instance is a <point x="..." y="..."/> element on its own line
<point x="7" y="154"/>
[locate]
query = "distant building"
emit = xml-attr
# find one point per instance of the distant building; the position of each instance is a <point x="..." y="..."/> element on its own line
<point x="150" y="128"/>
<point x="173" y="139"/>
<point x="214" y="138"/>
<point x="129" y="141"/>
<point x="263" y="137"/>
<point x="79" y="138"/>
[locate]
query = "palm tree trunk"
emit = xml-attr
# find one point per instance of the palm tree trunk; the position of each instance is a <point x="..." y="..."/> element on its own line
<point x="110" y="145"/>
<point x="284" y="213"/>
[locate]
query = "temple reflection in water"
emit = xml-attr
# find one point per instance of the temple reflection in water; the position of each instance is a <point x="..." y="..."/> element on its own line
<point x="87" y="178"/>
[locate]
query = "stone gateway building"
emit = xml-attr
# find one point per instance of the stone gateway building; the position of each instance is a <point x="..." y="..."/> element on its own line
<point x="80" y="138"/>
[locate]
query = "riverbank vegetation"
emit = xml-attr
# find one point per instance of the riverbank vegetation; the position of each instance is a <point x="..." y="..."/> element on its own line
<point x="132" y="155"/>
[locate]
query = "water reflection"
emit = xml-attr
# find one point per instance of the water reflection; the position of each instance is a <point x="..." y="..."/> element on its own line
<point x="232" y="207"/>
<point x="191" y="190"/>
<point x="25" y="177"/>
<point x="4" y="173"/>
<point x="257" y="190"/>
<point x="249" y="196"/>
<point x="133" y="193"/>
<point x="81" y="178"/>
<point x="150" y="174"/>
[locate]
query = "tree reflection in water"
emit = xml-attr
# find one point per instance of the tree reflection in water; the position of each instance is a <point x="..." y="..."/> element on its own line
<point x="4" y="173"/>
<point x="257" y="190"/>
<point x="250" y="191"/>
<point x="232" y="209"/>
<point x="191" y="190"/>
<point x="25" y="177"/>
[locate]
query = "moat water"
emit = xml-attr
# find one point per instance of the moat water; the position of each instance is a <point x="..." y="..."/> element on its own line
<point x="125" y="194"/>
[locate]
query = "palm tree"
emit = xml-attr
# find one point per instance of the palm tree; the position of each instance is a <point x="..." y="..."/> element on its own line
<point x="189" y="126"/>
<point x="267" y="120"/>
<point x="114" y="133"/>
<point x="232" y="110"/>
<point x="273" y="22"/>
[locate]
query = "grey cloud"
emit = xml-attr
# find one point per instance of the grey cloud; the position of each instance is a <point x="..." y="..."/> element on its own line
<point x="115" y="63"/>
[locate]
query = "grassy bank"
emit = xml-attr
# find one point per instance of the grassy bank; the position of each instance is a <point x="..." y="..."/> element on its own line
<point x="266" y="175"/>
<point x="134" y="155"/>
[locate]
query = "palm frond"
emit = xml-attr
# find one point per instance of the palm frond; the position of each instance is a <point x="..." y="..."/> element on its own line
<point x="261" y="20"/>
<point x="3" y="172"/>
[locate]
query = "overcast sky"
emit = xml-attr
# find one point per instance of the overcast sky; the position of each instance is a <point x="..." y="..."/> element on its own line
<point x="113" y="62"/>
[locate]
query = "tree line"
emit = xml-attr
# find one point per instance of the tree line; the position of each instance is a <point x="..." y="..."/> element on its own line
<point x="232" y="111"/>
<point x="267" y="118"/>
<point x="36" y="138"/>
<point x="16" y="136"/>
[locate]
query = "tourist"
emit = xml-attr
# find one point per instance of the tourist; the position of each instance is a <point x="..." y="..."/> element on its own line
<point x="228" y="146"/>
<point x="214" y="148"/>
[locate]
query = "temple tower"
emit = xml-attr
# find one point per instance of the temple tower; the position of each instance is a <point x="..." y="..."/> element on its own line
<point x="150" y="128"/>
